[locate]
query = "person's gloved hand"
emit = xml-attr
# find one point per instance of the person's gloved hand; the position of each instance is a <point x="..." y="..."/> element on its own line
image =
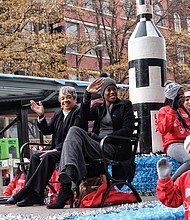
<point x="175" y="103"/>
<point x="163" y="168"/>
<point x="94" y="136"/>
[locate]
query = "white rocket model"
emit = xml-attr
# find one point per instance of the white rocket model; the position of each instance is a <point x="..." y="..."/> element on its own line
<point x="147" y="71"/>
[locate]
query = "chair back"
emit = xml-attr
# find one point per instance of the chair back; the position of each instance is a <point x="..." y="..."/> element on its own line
<point x="136" y="135"/>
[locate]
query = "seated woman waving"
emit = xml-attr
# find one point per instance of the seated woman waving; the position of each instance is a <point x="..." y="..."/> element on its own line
<point x="42" y="165"/>
<point x="113" y="116"/>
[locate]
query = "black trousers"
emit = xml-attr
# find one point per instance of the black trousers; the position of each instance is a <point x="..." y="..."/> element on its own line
<point x="41" y="170"/>
<point x="79" y="148"/>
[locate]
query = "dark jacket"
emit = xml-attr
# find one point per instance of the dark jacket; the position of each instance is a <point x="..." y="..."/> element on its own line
<point x="122" y="118"/>
<point x="59" y="128"/>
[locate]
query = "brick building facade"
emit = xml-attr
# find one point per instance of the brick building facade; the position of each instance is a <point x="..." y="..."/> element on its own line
<point x="168" y="15"/>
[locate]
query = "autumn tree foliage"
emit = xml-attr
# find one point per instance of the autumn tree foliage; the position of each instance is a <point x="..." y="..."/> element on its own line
<point x="178" y="56"/>
<point x="114" y="21"/>
<point x="30" y="42"/>
<point x="114" y="32"/>
<point x="28" y="39"/>
<point x="177" y="37"/>
<point x="33" y="39"/>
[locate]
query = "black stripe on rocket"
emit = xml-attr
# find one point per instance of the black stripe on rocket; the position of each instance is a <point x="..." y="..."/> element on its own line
<point x="142" y="30"/>
<point x="142" y="70"/>
<point x="147" y="16"/>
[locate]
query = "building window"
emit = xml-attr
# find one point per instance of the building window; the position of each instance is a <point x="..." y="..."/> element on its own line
<point x="180" y="54"/>
<point x="158" y="12"/>
<point x="188" y="25"/>
<point x="70" y="2"/>
<point x="88" y="4"/>
<point x="29" y="27"/>
<point x="106" y="6"/>
<point x="72" y="30"/>
<point x="129" y="9"/>
<point x="42" y="28"/>
<point x="91" y="38"/>
<point x="177" y="22"/>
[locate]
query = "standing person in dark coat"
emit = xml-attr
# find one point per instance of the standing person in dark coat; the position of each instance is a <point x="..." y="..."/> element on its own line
<point x="113" y="116"/>
<point x="43" y="164"/>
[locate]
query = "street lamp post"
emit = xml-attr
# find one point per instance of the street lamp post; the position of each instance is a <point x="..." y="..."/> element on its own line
<point x="98" y="48"/>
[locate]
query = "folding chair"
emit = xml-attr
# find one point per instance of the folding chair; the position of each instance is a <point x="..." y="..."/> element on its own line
<point x="129" y="164"/>
<point x="23" y="164"/>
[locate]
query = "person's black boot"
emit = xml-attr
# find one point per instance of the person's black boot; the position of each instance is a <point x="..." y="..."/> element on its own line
<point x="24" y="192"/>
<point x="31" y="200"/>
<point x="64" y="195"/>
<point x="68" y="175"/>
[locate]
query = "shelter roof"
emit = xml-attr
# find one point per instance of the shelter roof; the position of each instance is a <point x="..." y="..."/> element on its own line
<point x="18" y="87"/>
<point x="18" y="90"/>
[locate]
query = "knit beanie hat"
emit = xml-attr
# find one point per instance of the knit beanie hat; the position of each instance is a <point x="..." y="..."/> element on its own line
<point x="171" y="90"/>
<point x="104" y="74"/>
<point x="187" y="93"/>
<point x="108" y="81"/>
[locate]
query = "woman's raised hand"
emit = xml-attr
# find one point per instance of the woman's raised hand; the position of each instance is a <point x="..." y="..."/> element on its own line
<point x="95" y="86"/>
<point x="38" y="108"/>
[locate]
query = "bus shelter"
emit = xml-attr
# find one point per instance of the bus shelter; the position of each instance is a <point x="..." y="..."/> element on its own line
<point x="16" y="91"/>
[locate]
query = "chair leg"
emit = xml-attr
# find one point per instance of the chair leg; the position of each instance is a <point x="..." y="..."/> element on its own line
<point x="134" y="191"/>
<point x="105" y="196"/>
<point x="115" y="184"/>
